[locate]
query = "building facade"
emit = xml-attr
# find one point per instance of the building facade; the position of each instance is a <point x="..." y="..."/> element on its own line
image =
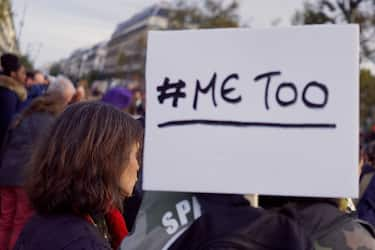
<point x="126" y="50"/>
<point x="94" y="59"/>
<point x="123" y="56"/>
<point x="8" y="40"/>
<point x="82" y="61"/>
<point x="72" y="65"/>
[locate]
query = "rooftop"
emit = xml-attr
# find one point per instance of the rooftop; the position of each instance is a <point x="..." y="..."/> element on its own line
<point x="154" y="10"/>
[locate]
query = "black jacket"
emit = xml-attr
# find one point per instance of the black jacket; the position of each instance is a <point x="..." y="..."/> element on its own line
<point x="18" y="145"/>
<point x="60" y="232"/>
<point x="235" y="225"/>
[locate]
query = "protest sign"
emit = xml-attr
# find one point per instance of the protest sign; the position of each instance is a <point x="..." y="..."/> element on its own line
<point x="269" y="111"/>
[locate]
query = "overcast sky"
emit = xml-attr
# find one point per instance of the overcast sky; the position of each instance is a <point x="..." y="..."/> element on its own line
<point x="54" y="28"/>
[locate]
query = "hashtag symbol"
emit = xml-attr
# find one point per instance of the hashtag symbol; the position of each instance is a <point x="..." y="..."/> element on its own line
<point x="171" y="90"/>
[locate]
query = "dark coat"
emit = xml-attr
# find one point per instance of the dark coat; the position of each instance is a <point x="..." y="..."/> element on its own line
<point x="329" y="228"/>
<point x="18" y="146"/>
<point x="366" y="204"/>
<point x="12" y="94"/>
<point x="59" y="232"/>
<point x="228" y="222"/>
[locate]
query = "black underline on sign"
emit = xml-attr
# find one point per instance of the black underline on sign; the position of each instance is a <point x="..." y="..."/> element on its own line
<point x="248" y="124"/>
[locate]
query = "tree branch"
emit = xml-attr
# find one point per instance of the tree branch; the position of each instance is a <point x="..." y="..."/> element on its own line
<point x="355" y="3"/>
<point x="329" y="5"/>
<point x="345" y="12"/>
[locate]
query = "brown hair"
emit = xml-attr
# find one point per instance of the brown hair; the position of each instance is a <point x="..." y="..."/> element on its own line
<point x="77" y="167"/>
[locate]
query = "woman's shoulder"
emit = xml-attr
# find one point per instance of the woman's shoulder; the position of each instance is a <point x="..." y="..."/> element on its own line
<point x="60" y="232"/>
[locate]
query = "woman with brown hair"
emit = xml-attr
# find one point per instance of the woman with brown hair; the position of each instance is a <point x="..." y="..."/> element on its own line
<point x="26" y="129"/>
<point x="80" y="174"/>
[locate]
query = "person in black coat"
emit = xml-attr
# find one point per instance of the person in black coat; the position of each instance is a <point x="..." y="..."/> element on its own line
<point x="12" y="90"/>
<point x="57" y="232"/>
<point x="229" y="222"/>
<point x="21" y="138"/>
<point x="197" y="221"/>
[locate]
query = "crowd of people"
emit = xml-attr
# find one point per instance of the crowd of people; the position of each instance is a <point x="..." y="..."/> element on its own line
<point x="71" y="175"/>
<point x="98" y="134"/>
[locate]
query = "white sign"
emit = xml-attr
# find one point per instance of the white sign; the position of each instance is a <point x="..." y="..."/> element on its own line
<point x="268" y="111"/>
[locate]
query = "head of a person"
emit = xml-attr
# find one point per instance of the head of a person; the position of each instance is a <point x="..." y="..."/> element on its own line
<point x="30" y="78"/>
<point x="35" y="77"/>
<point x="120" y="97"/>
<point x="137" y="94"/>
<point x="98" y="89"/>
<point x="80" y="94"/>
<point x="59" y="94"/>
<point x="13" y="68"/>
<point x="87" y="163"/>
<point x="63" y="87"/>
<point x="40" y="78"/>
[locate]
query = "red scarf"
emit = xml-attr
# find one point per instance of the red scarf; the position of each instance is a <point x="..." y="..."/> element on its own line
<point x="116" y="226"/>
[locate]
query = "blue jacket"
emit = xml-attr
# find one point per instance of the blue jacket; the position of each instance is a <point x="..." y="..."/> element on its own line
<point x="60" y="232"/>
<point x="32" y="93"/>
<point x="12" y="94"/>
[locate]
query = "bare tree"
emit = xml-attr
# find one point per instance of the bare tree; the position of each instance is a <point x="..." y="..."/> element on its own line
<point x="361" y="12"/>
